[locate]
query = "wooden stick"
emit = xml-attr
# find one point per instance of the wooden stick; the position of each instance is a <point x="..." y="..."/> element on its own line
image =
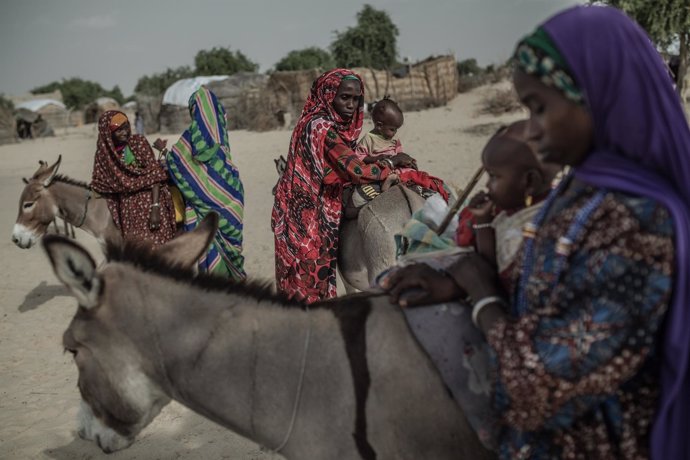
<point x="461" y="199"/>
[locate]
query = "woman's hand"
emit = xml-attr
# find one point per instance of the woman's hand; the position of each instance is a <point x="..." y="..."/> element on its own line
<point x="420" y="284"/>
<point x="474" y="274"/>
<point x="482" y="207"/>
<point x="403" y="160"/>
<point x="160" y="144"/>
<point x="155" y="218"/>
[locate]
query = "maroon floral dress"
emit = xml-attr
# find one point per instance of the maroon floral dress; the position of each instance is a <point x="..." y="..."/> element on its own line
<point x="125" y="178"/>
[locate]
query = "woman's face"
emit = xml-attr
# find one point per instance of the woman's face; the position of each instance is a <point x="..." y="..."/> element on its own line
<point x="561" y="129"/>
<point x="121" y="134"/>
<point x="347" y="99"/>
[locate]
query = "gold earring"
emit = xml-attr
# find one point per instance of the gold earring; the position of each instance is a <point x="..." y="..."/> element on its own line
<point x="528" y="201"/>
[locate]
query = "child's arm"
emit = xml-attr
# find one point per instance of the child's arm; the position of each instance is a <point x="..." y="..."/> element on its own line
<point x="482" y="208"/>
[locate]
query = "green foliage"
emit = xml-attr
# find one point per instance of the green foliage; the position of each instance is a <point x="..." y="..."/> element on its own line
<point x="222" y="61"/>
<point x="664" y="20"/>
<point x="371" y="43"/>
<point x="307" y="58"/>
<point x="76" y="93"/>
<point x="157" y="83"/>
<point x="469" y="67"/>
<point x="6" y="103"/>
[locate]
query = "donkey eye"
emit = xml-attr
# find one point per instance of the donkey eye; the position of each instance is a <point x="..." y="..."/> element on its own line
<point x="28" y="205"/>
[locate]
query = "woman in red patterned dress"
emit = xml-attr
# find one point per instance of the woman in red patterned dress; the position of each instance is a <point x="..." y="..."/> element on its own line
<point x="321" y="160"/>
<point x="127" y="174"/>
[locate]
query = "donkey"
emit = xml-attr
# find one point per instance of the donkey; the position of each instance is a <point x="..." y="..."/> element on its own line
<point x="48" y="195"/>
<point x="366" y="244"/>
<point x="341" y="379"/>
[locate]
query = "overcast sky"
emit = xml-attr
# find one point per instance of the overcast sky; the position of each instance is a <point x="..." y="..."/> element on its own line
<point x="116" y="42"/>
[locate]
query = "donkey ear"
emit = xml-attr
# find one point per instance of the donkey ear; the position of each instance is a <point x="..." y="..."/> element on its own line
<point x="75" y="268"/>
<point x="186" y="249"/>
<point x="52" y="171"/>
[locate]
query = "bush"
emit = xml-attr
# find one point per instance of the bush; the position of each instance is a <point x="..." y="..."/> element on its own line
<point x="77" y="93"/>
<point x="371" y="43"/>
<point x="307" y="58"/>
<point x="499" y="102"/>
<point x="156" y="84"/>
<point x="222" y="61"/>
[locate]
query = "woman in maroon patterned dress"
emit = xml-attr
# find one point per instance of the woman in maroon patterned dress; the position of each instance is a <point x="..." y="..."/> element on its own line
<point x="307" y="208"/>
<point x="127" y="174"/>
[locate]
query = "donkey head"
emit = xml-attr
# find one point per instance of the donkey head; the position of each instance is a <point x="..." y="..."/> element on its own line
<point x="120" y="395"/>
<point x="37" y="207"/>
<point x="281" y="164"/>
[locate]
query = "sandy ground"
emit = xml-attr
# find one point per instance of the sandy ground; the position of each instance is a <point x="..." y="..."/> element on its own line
<point x="38" y="394"/>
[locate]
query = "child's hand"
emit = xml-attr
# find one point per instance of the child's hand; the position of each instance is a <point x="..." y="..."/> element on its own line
<point x="403" y="160"/>
<point x="482" y="207"/>
<point x="159" y="144"/>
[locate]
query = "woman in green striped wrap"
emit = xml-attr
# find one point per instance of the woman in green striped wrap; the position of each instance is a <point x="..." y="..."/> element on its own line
<point x="200" y="165"/>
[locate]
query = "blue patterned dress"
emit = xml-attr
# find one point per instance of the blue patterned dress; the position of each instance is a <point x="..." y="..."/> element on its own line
<point x="576" y="374"/>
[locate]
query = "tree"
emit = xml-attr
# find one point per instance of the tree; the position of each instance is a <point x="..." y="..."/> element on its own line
<point x="666" y="22"/>
<point x="156" y="84"/>
<point x="469" y="67"/>
<point x="222" y="61"/>
<point x="371" y="43"/>
<point x="76" y="93"/>
<point x="307" y="58"/>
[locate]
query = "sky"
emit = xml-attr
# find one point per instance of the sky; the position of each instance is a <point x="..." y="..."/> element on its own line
<point x="117" y="42"/>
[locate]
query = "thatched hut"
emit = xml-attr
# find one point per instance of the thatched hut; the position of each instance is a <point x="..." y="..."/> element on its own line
<point x="430" y="83"/>
<point x="236" y="92"/>
<point x="94" y="110"/>
<point x="8" y="128"/>
<point x="52" y="111"/>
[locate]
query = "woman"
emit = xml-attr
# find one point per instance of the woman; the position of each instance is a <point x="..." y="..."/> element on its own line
<point x="321" y="160"/>
<point x="127" y="174"/>
<point x="583" y="370"/>
<point x="200" y="165"/>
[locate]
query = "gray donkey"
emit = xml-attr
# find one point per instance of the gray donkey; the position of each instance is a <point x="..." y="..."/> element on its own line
<point x="343" y="379"/>
<point x="366" y="245"/>
<point x="49" y="195"/>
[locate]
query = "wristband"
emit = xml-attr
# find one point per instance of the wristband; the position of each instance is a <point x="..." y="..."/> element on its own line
<point x="481" y="226"/>
<point x="481" y="303"/>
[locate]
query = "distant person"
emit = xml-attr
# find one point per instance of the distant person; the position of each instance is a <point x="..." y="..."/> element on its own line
<point x="127" y="174"/>
<point x="139" y="124"/>
<point x="201" y="167"/>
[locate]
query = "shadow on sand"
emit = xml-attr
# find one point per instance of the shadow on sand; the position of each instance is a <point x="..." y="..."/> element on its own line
<point x="40" y="295"/>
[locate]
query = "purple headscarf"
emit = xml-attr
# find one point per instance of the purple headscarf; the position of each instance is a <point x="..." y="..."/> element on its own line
<point x="642" y="147"/>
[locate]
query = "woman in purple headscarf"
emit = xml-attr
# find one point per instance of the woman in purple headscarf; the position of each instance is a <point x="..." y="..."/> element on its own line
<point x="591" y="349"/>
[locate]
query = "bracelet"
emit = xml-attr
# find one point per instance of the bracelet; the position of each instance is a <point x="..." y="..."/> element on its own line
<point x="481" y="226"/>
<point x="156" y="205"/>
<point x="481" y="303"/>
<point x="389" y="162"/>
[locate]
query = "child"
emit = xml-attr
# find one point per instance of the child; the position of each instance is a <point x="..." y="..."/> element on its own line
<point x="517" y="185"/>
<point x="380" y="145"/>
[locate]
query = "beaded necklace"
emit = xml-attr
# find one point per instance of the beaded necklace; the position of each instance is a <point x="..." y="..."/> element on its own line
<point x="563" y="246"/>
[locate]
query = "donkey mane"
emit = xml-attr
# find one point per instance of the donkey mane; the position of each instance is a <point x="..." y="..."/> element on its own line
<point x="68" y="180"/>
<point x="144" y="257"/>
